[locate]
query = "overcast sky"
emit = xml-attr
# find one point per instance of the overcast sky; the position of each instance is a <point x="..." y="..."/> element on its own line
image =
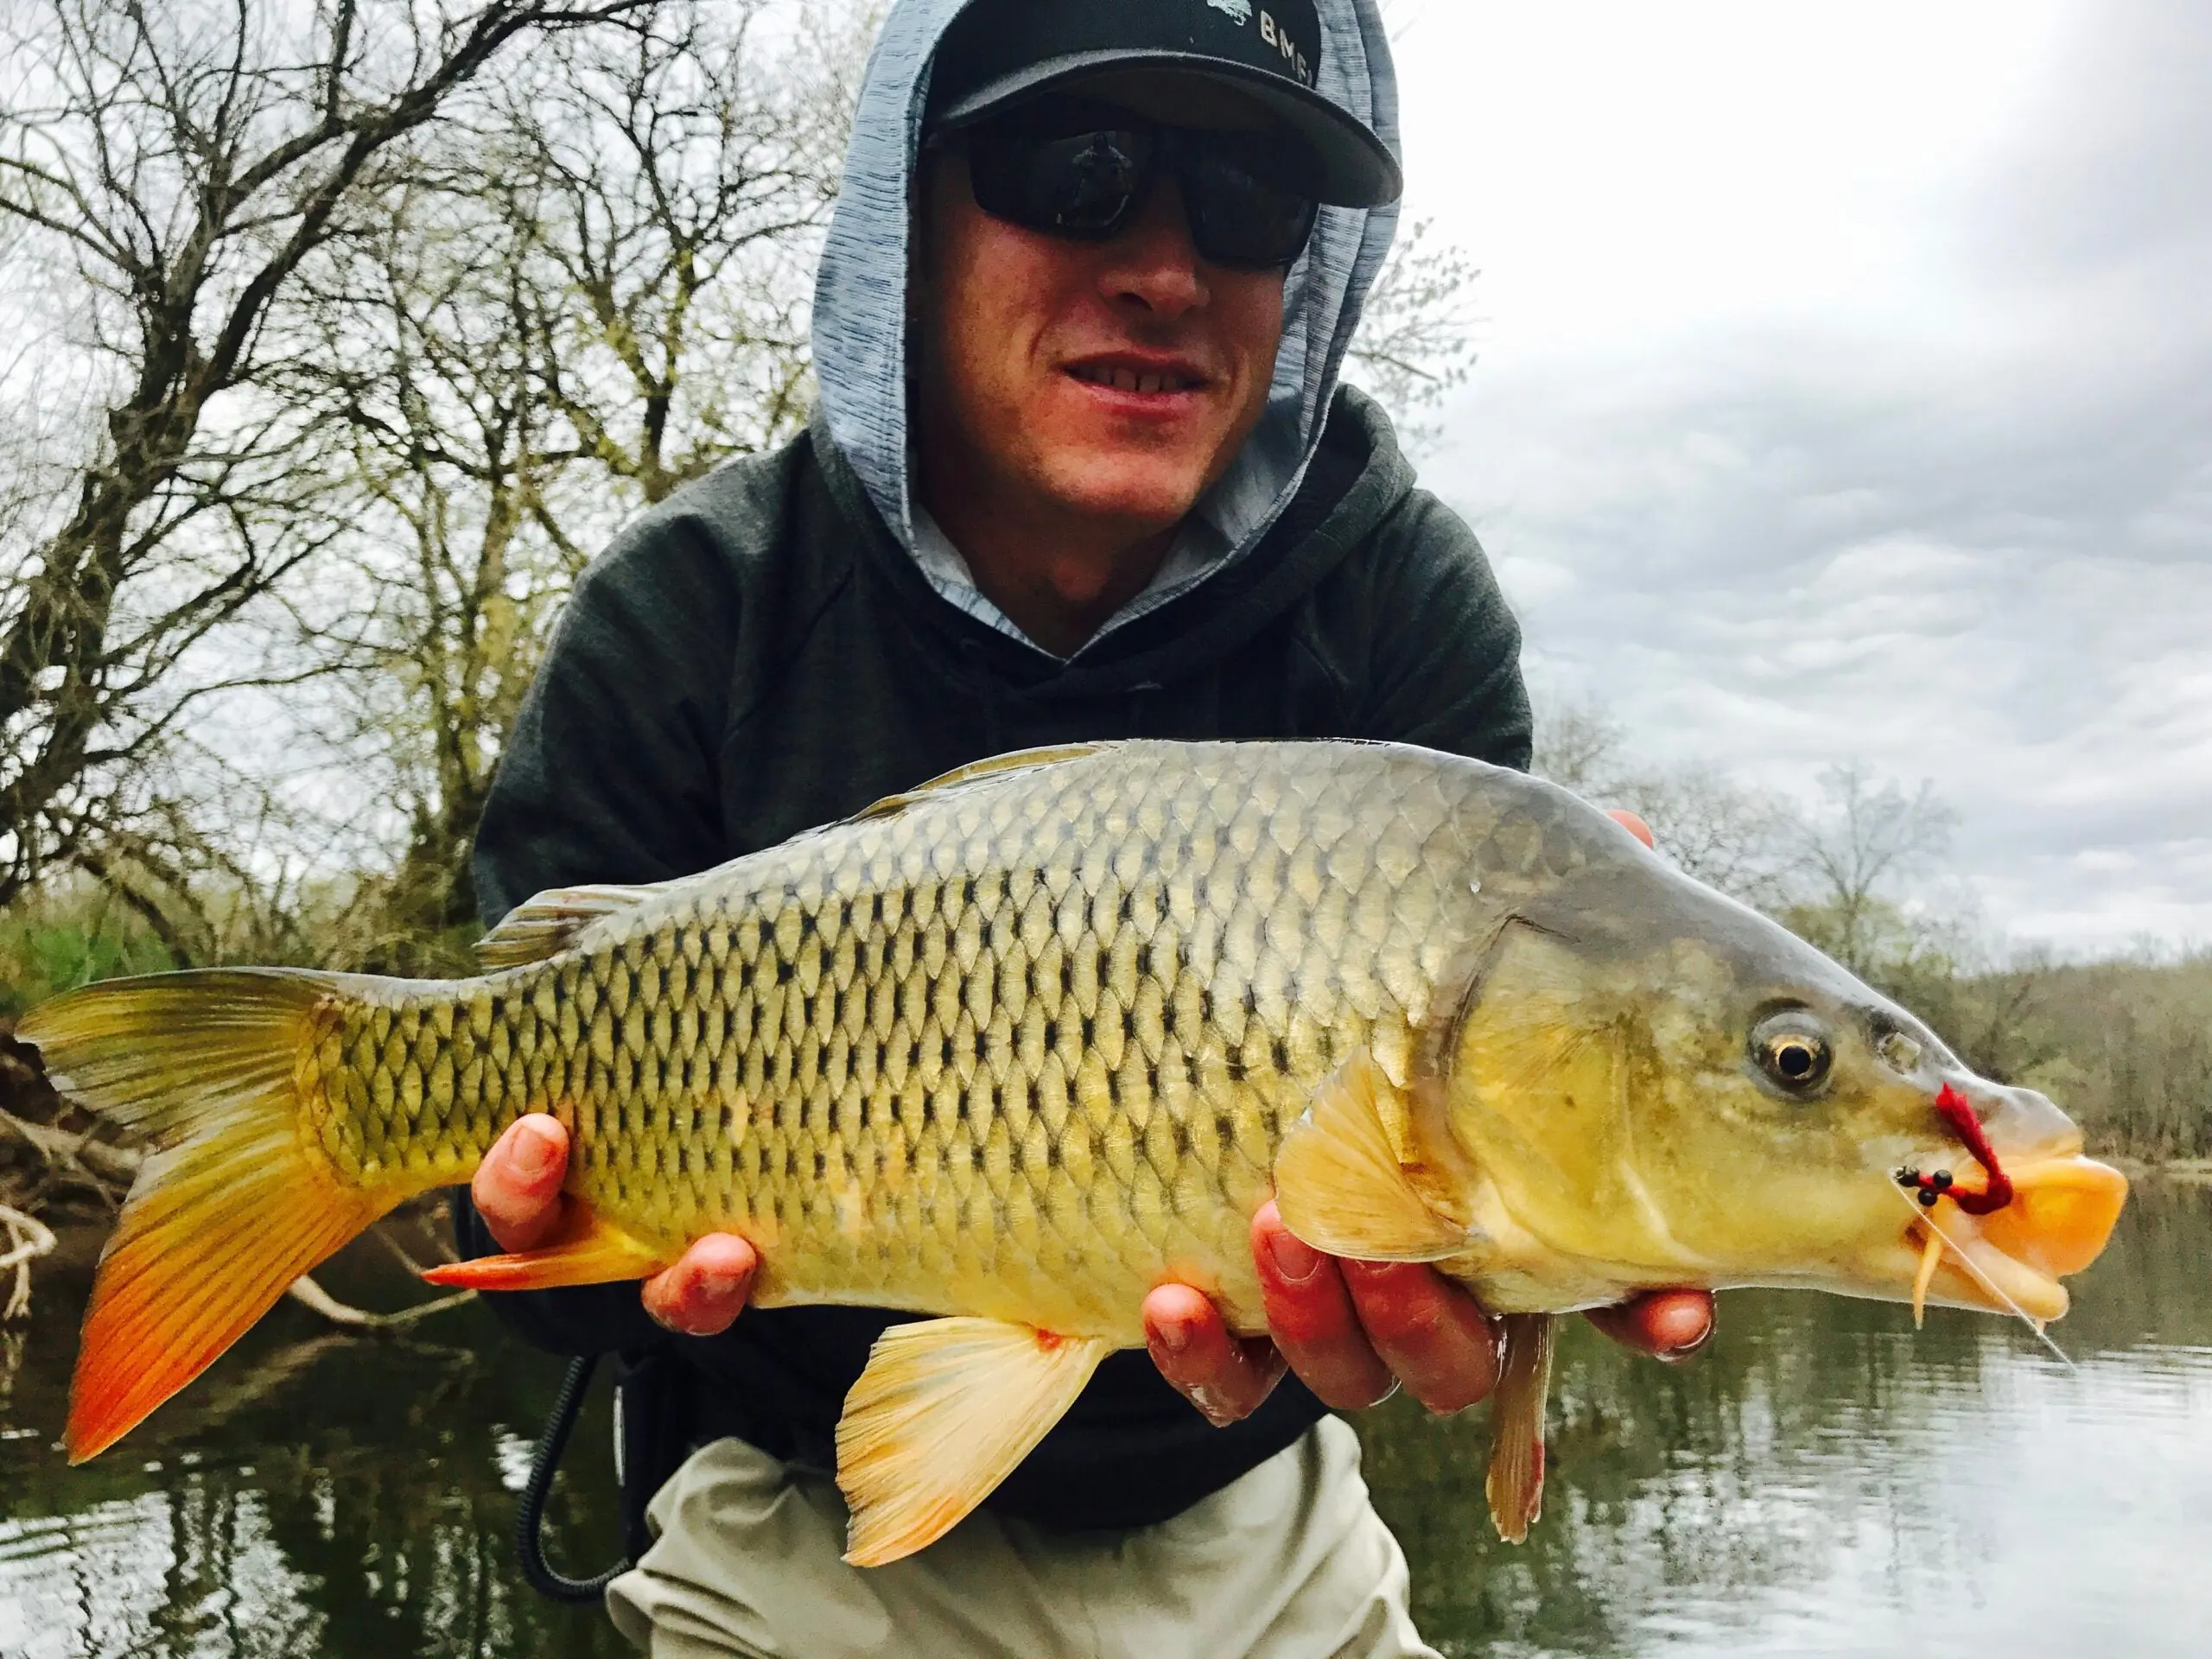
<point x="1847" y="394"/>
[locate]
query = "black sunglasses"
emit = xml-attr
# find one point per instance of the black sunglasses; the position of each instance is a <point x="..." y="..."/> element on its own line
<point x="1085" y="171"/>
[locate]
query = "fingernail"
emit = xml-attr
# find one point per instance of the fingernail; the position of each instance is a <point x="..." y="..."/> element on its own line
<point x="1295" y="1260"/>
<point x="535" y="1153"/>
<point x="719" y="1283"/>
<point x="1174" y="1336"/>
<point x="1683" y="1351"/>
<point x="1215" y="1411"/>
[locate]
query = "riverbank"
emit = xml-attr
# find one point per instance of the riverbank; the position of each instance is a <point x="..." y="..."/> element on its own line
<point x="2189" y="1172"/>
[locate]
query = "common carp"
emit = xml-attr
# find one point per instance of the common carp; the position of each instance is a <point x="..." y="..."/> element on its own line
<point x="1019" y="1045"/>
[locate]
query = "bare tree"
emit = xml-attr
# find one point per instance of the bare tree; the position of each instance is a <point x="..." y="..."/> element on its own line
<point x="1418" y="334"/>
<point x="591" y="292"/>
<point x="1746" y="845"/>
<point x="184" y="162"/>
<point x="673" y="191"/>
<point x="1867" y="840"/>
<point x="1580" y="746"/>
<point x="429" y="612"/>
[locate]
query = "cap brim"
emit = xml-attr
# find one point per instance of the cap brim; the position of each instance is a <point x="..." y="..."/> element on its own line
<point x="1356" y="168"/>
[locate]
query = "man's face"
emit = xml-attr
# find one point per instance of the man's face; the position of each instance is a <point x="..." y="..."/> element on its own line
<point x="1114" y="379"/>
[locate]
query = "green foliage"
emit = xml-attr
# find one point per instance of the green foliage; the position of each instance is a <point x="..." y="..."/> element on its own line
<point x="47" y="947"/>
<point x="2126" y="1047"/>
<point x="76" y="932"/>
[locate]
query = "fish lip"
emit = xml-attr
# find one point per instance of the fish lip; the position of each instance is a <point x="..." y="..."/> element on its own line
<point x="2019" y="1287"/>
<point x="2063" y="1213"/>
<point x="2026" y="1248"/>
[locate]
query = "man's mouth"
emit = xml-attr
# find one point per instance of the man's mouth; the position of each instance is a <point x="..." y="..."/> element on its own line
<point x="1145" y="381"/>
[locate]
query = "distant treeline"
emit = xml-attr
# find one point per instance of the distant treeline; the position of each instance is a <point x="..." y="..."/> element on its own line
<point x="2126" y="1047"/>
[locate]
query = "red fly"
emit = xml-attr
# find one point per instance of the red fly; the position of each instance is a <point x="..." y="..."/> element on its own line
<point x="1956" y="1110"/>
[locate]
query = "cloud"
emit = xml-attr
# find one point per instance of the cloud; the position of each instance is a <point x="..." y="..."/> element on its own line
<point x="1908" y="461"/>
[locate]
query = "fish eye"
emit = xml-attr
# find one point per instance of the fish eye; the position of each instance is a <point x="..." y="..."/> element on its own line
<point x="1791" y="1047"/>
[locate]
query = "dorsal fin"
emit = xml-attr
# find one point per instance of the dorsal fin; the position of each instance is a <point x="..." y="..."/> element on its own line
<point x="997" y="766"/>
<point x="542" y="926"/>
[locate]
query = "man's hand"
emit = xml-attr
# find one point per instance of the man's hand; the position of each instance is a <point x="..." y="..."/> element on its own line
<point x="1354" y="1331"/>
<point x="517" y="1191"/>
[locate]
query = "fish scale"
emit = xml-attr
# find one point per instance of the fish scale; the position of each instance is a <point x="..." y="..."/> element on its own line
<point x="1024" y="1046"/>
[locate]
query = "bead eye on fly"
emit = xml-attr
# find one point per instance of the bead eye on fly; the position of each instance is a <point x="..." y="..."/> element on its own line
<point x="1791" y="1049"/>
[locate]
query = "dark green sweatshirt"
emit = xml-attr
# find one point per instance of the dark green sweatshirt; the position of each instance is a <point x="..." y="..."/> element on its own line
<point x="759" y="656"/>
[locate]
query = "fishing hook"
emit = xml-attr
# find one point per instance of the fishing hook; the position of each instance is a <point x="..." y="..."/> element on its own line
<point x="1956" y="1110"/>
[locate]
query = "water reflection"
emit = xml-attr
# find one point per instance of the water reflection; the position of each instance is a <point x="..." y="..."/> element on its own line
<point x="315" y="1494"/>
<point x="1821" y="1481"/>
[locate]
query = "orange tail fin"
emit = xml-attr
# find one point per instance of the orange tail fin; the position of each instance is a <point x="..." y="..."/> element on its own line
<point x="235" y="1203"/>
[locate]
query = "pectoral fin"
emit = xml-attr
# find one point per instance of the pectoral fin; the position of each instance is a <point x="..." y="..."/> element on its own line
<point x="1515" y="1484"/>
<point x="941" y="1415"/>
<point x="1341" y="1186"/>
<point x="587" y="1250"/>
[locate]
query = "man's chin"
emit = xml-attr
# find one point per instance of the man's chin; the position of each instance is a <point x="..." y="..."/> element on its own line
<point x="1147" y="493"/>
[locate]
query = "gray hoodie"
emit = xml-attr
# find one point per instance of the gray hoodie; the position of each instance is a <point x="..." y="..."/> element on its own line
<point x="770" y="649"/>
<point x="859" y="337"/>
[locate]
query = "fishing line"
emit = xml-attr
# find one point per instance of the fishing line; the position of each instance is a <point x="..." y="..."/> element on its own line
<point x="1971" y="1267"/>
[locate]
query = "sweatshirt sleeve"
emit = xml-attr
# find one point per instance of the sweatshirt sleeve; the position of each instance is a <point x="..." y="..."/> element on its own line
<point x="1446" y="671"/>
<point x="611" y="776"/>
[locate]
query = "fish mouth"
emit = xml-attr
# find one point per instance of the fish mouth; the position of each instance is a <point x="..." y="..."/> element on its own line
<point x="2011" y="1260"/>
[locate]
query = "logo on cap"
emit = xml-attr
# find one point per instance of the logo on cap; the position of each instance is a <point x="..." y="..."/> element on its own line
<point x="1239" y="10"/>
<point x="1277" y="35"/>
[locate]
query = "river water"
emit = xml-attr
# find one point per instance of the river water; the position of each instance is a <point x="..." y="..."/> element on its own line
<point x="1821" y="1480"/>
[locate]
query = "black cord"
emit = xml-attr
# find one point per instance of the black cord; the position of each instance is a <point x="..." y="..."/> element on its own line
<point x="529" y="1513"/>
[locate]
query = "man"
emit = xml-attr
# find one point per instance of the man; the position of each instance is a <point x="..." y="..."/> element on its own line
<point x="1081" y="471"/>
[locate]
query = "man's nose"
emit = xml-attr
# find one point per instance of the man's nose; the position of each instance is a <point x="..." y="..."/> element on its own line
<point x="1153" y="266"/>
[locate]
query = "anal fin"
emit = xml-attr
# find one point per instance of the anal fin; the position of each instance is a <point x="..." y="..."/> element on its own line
<point x="943" y="1412"/>
<point x="1515" y="1483"/>
<point x="587" y="1250"/>
<point x="1339" y="1183"/>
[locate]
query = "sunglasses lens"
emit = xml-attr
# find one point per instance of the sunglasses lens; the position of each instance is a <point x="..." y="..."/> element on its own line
<point x="1067" y="169"/>
<point x="1245" y="209"/>
<point x="1082" y="185"/>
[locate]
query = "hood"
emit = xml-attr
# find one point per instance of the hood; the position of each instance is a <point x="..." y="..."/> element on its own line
<point x="859" y="330"/>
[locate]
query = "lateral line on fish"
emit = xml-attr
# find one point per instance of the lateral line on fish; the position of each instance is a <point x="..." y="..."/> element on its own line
<point x="1972" y="1266"/>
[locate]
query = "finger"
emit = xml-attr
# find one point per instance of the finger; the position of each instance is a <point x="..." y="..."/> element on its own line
<point x="1633" y="824"/>
<point x="1670" y="1325"/>
<point x="702" y="1294"/>
<point x="1427" y="1330"/>
<point x="516" y="1188"/>
<point x="1311" y="1316"/>
<point x="1223" y="1375"/>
